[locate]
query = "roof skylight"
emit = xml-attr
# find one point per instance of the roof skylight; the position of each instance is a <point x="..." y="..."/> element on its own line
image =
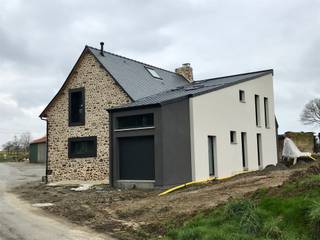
<point x="153" y="73"/>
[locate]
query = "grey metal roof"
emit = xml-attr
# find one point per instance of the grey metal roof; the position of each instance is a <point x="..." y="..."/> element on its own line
<point x="193" y="89"/>
<point x="134" y="78"/>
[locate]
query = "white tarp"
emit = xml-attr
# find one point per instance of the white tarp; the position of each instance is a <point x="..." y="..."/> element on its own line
<point x="82" y="187"/>
<point x="290" y="150"/>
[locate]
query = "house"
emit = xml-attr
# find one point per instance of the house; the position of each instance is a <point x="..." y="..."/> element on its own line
<point x="145" y="126"/>
<point x="77" y="120"/>
<point x="38" y="150"/>
<point x="211" y="128"/>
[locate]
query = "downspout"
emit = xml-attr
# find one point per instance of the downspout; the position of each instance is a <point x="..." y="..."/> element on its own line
<point x="110" y="149"/>
<point x="46" y="174"/>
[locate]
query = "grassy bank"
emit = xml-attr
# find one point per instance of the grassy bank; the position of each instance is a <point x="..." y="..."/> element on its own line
<point x="291" y="211"/>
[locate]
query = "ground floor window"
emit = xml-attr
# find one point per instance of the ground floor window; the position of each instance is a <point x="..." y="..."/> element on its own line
<point x="259" y="149"/>
<point x="82" y="147"/>
<point x="212" y="154"/>
<point x="244" y="150"/>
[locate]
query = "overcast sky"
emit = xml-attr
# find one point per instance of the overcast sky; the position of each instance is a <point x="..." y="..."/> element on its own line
<point x="40" y="42"/>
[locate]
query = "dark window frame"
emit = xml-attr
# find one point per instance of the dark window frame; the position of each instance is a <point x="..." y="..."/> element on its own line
<point x="81" y="139"/>
<point x="259" y="149"/>
<point x="82" y="121"/>
<point x="242" y="96"/>
<point x="266" y="112"/>
<point x="212" y="151"/>
<point x="233" y="137"/>
<point x="135" y="117"/>
<point x="257" y="110"/>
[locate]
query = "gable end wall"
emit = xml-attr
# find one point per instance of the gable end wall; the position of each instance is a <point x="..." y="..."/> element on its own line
<point x="101" y="92"/>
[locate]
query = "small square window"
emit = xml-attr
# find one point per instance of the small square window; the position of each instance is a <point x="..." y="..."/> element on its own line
<point x="233" y="137"/>
<point x="153" y="73"/>
<point x="242" y="96"/>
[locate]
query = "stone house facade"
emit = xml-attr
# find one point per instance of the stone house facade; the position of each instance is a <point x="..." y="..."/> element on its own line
<point x="101" y="90"/>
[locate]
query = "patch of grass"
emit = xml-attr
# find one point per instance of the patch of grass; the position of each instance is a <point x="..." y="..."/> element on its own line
<point x="289" y="212"/>
<point x="314" y="215"/>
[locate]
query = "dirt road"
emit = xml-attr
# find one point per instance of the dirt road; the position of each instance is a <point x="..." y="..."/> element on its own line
<point x="20" y="221"/>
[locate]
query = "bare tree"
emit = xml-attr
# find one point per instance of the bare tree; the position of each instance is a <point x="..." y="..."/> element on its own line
<point x="311" y="113"/>
<point x="24" y="141"/>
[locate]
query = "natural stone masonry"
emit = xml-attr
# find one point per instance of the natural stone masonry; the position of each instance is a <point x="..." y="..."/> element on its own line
<point x="101" y="92"/>
<point x="185" y="71"/>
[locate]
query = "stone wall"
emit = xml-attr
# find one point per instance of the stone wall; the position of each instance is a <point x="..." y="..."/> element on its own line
<point x="101" y="92"/>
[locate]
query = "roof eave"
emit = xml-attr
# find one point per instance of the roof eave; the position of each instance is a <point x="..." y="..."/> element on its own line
<point x="43" y="113"/>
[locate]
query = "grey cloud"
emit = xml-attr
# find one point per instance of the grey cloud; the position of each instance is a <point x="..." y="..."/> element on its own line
<point x="41" y="40"/>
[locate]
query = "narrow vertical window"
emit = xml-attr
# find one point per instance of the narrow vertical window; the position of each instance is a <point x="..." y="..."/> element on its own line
<point x="233" y="137"/>
<point x="242" y="96"/>
<point x="257" y="110"/>
<point x="259" y="149"/>
<point x="76" y="107"/>
<point x="212" y="154"/>
<point x="266" y="112"/>
<point x="244" y="150"/>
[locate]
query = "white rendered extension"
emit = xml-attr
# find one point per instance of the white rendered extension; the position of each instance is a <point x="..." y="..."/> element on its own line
<point x="219" y="112"/>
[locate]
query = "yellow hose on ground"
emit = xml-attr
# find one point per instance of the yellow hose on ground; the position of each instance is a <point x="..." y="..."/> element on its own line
<point x="197" y="182"/>
<point x="312" y="158"/>
<point x="184" y="185"/>
<point x="191" y="183"/>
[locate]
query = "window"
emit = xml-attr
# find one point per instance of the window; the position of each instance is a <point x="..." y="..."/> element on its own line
<point x="257" y="109"/>
<point x="76" y="107"/>
<point x="266" y="112"/>
<point x="82" y="147"/>
<point x="259" y="149"/>
<point x="153" y="73"/>
<point x="135" y="121"/>
<point x="212" y="154"/>
<point x="233" y="137"/>
<point x="242" y="96"/>
<point x="244" y="150"/>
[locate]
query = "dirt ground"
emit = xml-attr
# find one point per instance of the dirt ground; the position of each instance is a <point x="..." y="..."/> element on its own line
<point x="141" y="214"/>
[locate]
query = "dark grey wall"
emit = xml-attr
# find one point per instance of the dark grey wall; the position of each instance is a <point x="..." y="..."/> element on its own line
<point x="171" y="139"/>
<point x="115" y="135"/>
<point x="175" y="122"/>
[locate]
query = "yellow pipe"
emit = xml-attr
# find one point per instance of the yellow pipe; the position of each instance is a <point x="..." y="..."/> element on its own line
<point x="197" y="182"/>
<point x="184" y="185"/>
<point x="312" y="158"/>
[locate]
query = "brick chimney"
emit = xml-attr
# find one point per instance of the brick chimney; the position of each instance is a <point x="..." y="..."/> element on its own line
<point x="186" y="71"/>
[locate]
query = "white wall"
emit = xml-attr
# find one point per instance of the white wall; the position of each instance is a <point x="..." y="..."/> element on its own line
<point x="217" y="113"/>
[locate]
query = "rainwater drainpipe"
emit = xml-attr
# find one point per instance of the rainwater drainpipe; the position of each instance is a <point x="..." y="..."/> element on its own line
<point x="46" y="176"/>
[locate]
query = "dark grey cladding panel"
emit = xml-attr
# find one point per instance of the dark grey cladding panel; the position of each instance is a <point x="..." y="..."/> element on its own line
<point x="134" y="78"/>
<point x="193" y="89"/>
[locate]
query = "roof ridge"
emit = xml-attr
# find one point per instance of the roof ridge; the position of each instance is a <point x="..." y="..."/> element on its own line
<point x="146" y="64"/>
<point x="235" y="75"/>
